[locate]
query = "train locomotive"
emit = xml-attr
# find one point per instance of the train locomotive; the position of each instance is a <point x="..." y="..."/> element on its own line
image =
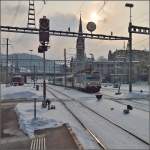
<point x="17" y="80"/>
<point x="88" y="82"/>
<point x="85" y="81"/>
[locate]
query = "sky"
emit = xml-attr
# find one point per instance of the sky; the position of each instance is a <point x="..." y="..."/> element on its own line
<point x="111" y="16"/>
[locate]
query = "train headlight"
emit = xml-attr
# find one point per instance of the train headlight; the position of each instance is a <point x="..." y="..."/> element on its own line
<point x="88" y="84"/>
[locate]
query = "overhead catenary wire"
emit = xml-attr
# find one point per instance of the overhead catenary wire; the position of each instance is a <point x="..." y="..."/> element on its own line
<point x="16" y="13"/>
<point x="102" y="7"/>
<point x="122" y="25"/>
<point x="23" y="35"/>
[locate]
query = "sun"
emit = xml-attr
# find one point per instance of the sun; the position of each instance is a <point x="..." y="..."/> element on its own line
<point x="94" y="17"/>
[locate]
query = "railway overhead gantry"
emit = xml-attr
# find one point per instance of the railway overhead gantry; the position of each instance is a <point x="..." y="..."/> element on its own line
<point x="62" y="33"/>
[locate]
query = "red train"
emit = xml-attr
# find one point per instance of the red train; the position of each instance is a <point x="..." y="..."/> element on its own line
<point x="17" y="80"/>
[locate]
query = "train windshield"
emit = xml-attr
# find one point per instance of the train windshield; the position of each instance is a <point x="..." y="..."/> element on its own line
<point x="16" y="79"/>
<point x="92" y="77"/>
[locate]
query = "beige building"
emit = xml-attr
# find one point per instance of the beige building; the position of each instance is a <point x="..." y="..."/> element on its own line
<point x="141" y="57"/>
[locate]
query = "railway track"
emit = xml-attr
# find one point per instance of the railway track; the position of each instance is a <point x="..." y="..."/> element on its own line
<point x="118" y="100"/>
<point x="97" y="140"/>
<point x="126" y="91"/>
<point x="125" y="103"/>
<point x="108" y="120"/>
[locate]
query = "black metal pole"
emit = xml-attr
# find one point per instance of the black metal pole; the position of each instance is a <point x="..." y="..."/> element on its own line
<point x="130" y="58"/>
<point x="7" y="60"/>
<point x="130" y="47"/>
<point x="65" y="65"/>
<point x="34" y="108"/>
<point x="54" y="71"/>
<point x="44" y="83"/>
<point x="34" y="75"/>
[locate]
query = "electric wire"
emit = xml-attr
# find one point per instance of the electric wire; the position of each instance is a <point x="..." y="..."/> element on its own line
<point x="16" y="13"/>
<point x="102" y="7"/>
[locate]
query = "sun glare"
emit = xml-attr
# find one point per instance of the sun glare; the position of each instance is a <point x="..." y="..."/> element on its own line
<point x="94" y="17"/>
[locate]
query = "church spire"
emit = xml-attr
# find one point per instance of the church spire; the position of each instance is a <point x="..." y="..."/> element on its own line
<point x="80" y="25"/>
<point x="80" y="45"/>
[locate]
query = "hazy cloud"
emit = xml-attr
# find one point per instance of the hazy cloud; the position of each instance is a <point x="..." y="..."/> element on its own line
<point x="113" y="18"/>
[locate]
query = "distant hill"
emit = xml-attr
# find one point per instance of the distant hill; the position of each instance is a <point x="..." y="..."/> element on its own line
<point x="24" y="60"/>
<point x="21" y="56"/>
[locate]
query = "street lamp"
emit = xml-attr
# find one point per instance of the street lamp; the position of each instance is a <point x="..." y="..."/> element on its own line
<point x="130" y="5"/>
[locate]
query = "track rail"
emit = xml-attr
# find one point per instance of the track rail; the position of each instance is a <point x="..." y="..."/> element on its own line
<point x="139" y="138"/>
<point x="119" y="101"/>
<point x="126" y="91"/>
<point x="97" y="140"/>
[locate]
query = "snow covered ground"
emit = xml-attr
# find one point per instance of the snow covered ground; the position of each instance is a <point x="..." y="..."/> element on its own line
<point x="108" y="89"/>
<point x="21" y="92"/>
<point x="113" y="137"/>
<point x="50" y="119"/>
<point x="137" y="99"/>
<point x="136" y="122"/>
<point x="103" y="107"/>
<point x="17" y="92"/>
<point x="100" y="127"/>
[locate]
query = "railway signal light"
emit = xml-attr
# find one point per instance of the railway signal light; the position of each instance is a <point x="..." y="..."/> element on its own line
<point x="44" y="29"/>
<point x="129" y="5"/>
<point x="44" y="24"/>
<point x="42" y="49"/>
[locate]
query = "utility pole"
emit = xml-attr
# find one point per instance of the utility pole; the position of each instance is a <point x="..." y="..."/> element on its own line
<point x="34" y="75"/>
<point x="30" y="60"/>
<point x="130" y="58"/>
<point x="7" y="47"/>
<point x="130" y="47"/>
<point x="44" y="82"/>
<point x="65" y="65"/>
<point x="54" y="73"/>
<point x="16" y="64"/>
<point x="44" y="40"/>
<point x="149" y="77"/>
<point x="49" y="70"/>
<point x="44" y="1"/>
<point x="7" y="60"/>
<point x="0" y="90"/>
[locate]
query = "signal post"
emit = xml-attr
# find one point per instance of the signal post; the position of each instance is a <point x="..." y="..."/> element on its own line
<point x="44" y="40"/>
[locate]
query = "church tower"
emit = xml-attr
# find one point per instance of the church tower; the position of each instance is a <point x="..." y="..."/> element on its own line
<point x="80" y="45"/>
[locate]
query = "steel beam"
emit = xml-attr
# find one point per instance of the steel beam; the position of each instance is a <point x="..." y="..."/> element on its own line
<point x="139" y="30"/>
<point x="62" y="33"/>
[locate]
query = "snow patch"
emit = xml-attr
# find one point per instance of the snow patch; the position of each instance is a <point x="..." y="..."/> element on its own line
<point x="28" y="124"/>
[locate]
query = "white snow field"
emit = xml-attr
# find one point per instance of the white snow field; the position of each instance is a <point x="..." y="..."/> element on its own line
<point x="51" y="119"/>
<point x="26" y="92"/>
<point x="137" y="99"/>
<point x="124" y="89"/>
<point x="103" y="107"/>
<point x="20" y="92"/>
<point x="136" y="122"/>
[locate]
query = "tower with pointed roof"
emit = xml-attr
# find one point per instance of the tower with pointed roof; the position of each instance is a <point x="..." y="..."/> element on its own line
<point x="80" y="44"/>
